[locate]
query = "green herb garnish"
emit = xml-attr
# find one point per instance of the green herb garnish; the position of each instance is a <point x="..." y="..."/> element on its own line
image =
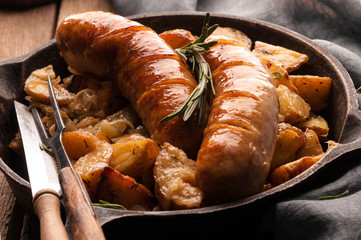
<point x="106" y="204"/>
<point x="46" y="149"/>
<point x="336" y="196"/>
<point x="192" y="54"/>
<point x="133" y="49"/>
<point x="135" y="186"/>
<point x="277" y="75"/>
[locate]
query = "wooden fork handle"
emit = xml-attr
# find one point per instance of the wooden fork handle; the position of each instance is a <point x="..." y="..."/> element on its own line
<point x="82" y="223"/>
<point x="47" y="208"/>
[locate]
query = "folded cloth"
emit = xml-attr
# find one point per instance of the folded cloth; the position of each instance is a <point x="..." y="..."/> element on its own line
<point x="131" y="7"/>
<point x="338" y="21"/>
<point x="306" y="216"/>
<point x="336" y="24"/>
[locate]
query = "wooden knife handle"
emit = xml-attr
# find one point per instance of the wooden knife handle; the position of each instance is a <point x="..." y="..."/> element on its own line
<point x="82" y="223"/>
<point x="47" y="208"/>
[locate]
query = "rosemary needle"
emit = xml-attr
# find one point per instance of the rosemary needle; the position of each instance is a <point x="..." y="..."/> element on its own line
<point x="336" y="196"/>
<point x="106" y="204"/>
<point x="192" y="54"/>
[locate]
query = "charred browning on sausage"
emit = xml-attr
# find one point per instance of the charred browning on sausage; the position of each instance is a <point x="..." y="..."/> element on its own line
<point x="239" y="140"/>
<point x="148" y="72"/>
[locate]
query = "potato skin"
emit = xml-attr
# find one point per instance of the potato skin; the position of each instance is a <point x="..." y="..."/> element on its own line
<point x="289" y="140"/>
<point x="148" y="72"/>
<point x="292" y="169"/>
<point x="293" y="108"/>
<point x="77" y="144"/>
<point x="311" y="147"/>
<point x="90" y="166"/>
<point x="289" y="59"/>
<point x="239" y="140"/>
<point x="175" y="183"/>
<point x="117" y="188"/>
<point x="314" y="89"/>
<point x="134" y="155"/>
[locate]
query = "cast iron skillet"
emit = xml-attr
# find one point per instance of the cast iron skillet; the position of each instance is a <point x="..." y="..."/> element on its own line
<point x="342" y="115"/>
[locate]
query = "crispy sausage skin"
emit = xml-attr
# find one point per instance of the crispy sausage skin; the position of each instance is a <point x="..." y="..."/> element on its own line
<point x="239" y="140"/>
<point x="146" y="69"/>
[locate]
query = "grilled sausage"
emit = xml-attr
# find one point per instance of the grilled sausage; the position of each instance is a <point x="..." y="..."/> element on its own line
<point x="239" y="140"/>
<point x="148" y="72"/>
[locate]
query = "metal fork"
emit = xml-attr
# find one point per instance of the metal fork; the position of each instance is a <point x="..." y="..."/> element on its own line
<point x="82" y="219"/>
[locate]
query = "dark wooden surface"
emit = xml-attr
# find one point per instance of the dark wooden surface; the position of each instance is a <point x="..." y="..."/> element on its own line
<point x="22" y="30"/>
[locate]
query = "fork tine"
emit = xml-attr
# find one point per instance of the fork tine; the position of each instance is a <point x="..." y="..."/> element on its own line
<point x="59" y="121"/>
<point x="39" y="125"/>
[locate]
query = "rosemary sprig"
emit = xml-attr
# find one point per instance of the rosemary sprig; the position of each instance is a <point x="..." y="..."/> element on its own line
<point x="106" y="204"/>
<point x="46" y="149"/>
<point x="192" y="54"/>
<point x="336" y="196"/>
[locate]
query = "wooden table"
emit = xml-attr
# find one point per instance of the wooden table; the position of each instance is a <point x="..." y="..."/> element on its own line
<point x="22" y="30"/>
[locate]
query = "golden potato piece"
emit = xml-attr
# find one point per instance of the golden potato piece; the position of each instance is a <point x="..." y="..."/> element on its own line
<point x="134" y="155"/>
<point x="78" y="143"/>
<point x="234" y="34"/>
<point x="90" y="166"/>
<point x="317" y="124"/>
<point x="290" y="170"/>
<point x="175" y="183"/>
<point x="115" y="187"/>
<point x="127" y="113"/>
<point x="313" y="89"/>
<point x="113" y="129"/>
<point x="279" y="74"/>
<point x="289" y="140"/>
<point x="115" y="125"/>
<point x="36" y="87"/>
<point x="289" y="59"/>
<point x="42" y="73"/>
<point x="311" y="147"/>
<point x="226" y="40"/>
<point x="293" y="108"/>
<point x="177" y="38"/>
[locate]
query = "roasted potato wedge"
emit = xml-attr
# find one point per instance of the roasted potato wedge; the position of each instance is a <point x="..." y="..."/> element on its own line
<point x="279" y="74"/>
<point x="290" y="170"/>
<point x="313" y="89"/>
<point x="92" y="164"/>
<point x="234" y="34"/>
<point x="289" y="140"/>
<point x="116" y="125"/>
<point x="175" y="183"/>
<point x="293" y="108"/>
<point x="36" y="87"/>
<point x="115" y="187"/>
<point x="317" y="124"/>
<point x="311" y="146"/>
<point x="78" y="143"/>
<point x="289" y="59"/>
<point x="134" y="155"/>
<point x="127" y="113"/>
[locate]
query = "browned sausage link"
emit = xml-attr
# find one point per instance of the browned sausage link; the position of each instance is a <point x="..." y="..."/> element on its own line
<point x="239" y="139"/>
<point x="147" y="70"/>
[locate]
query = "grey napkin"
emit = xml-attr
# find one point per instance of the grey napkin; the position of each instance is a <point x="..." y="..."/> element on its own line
<point x="336" y="24"/>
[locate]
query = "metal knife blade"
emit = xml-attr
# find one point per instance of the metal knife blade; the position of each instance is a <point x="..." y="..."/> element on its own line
<point x="41" y="167"/>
